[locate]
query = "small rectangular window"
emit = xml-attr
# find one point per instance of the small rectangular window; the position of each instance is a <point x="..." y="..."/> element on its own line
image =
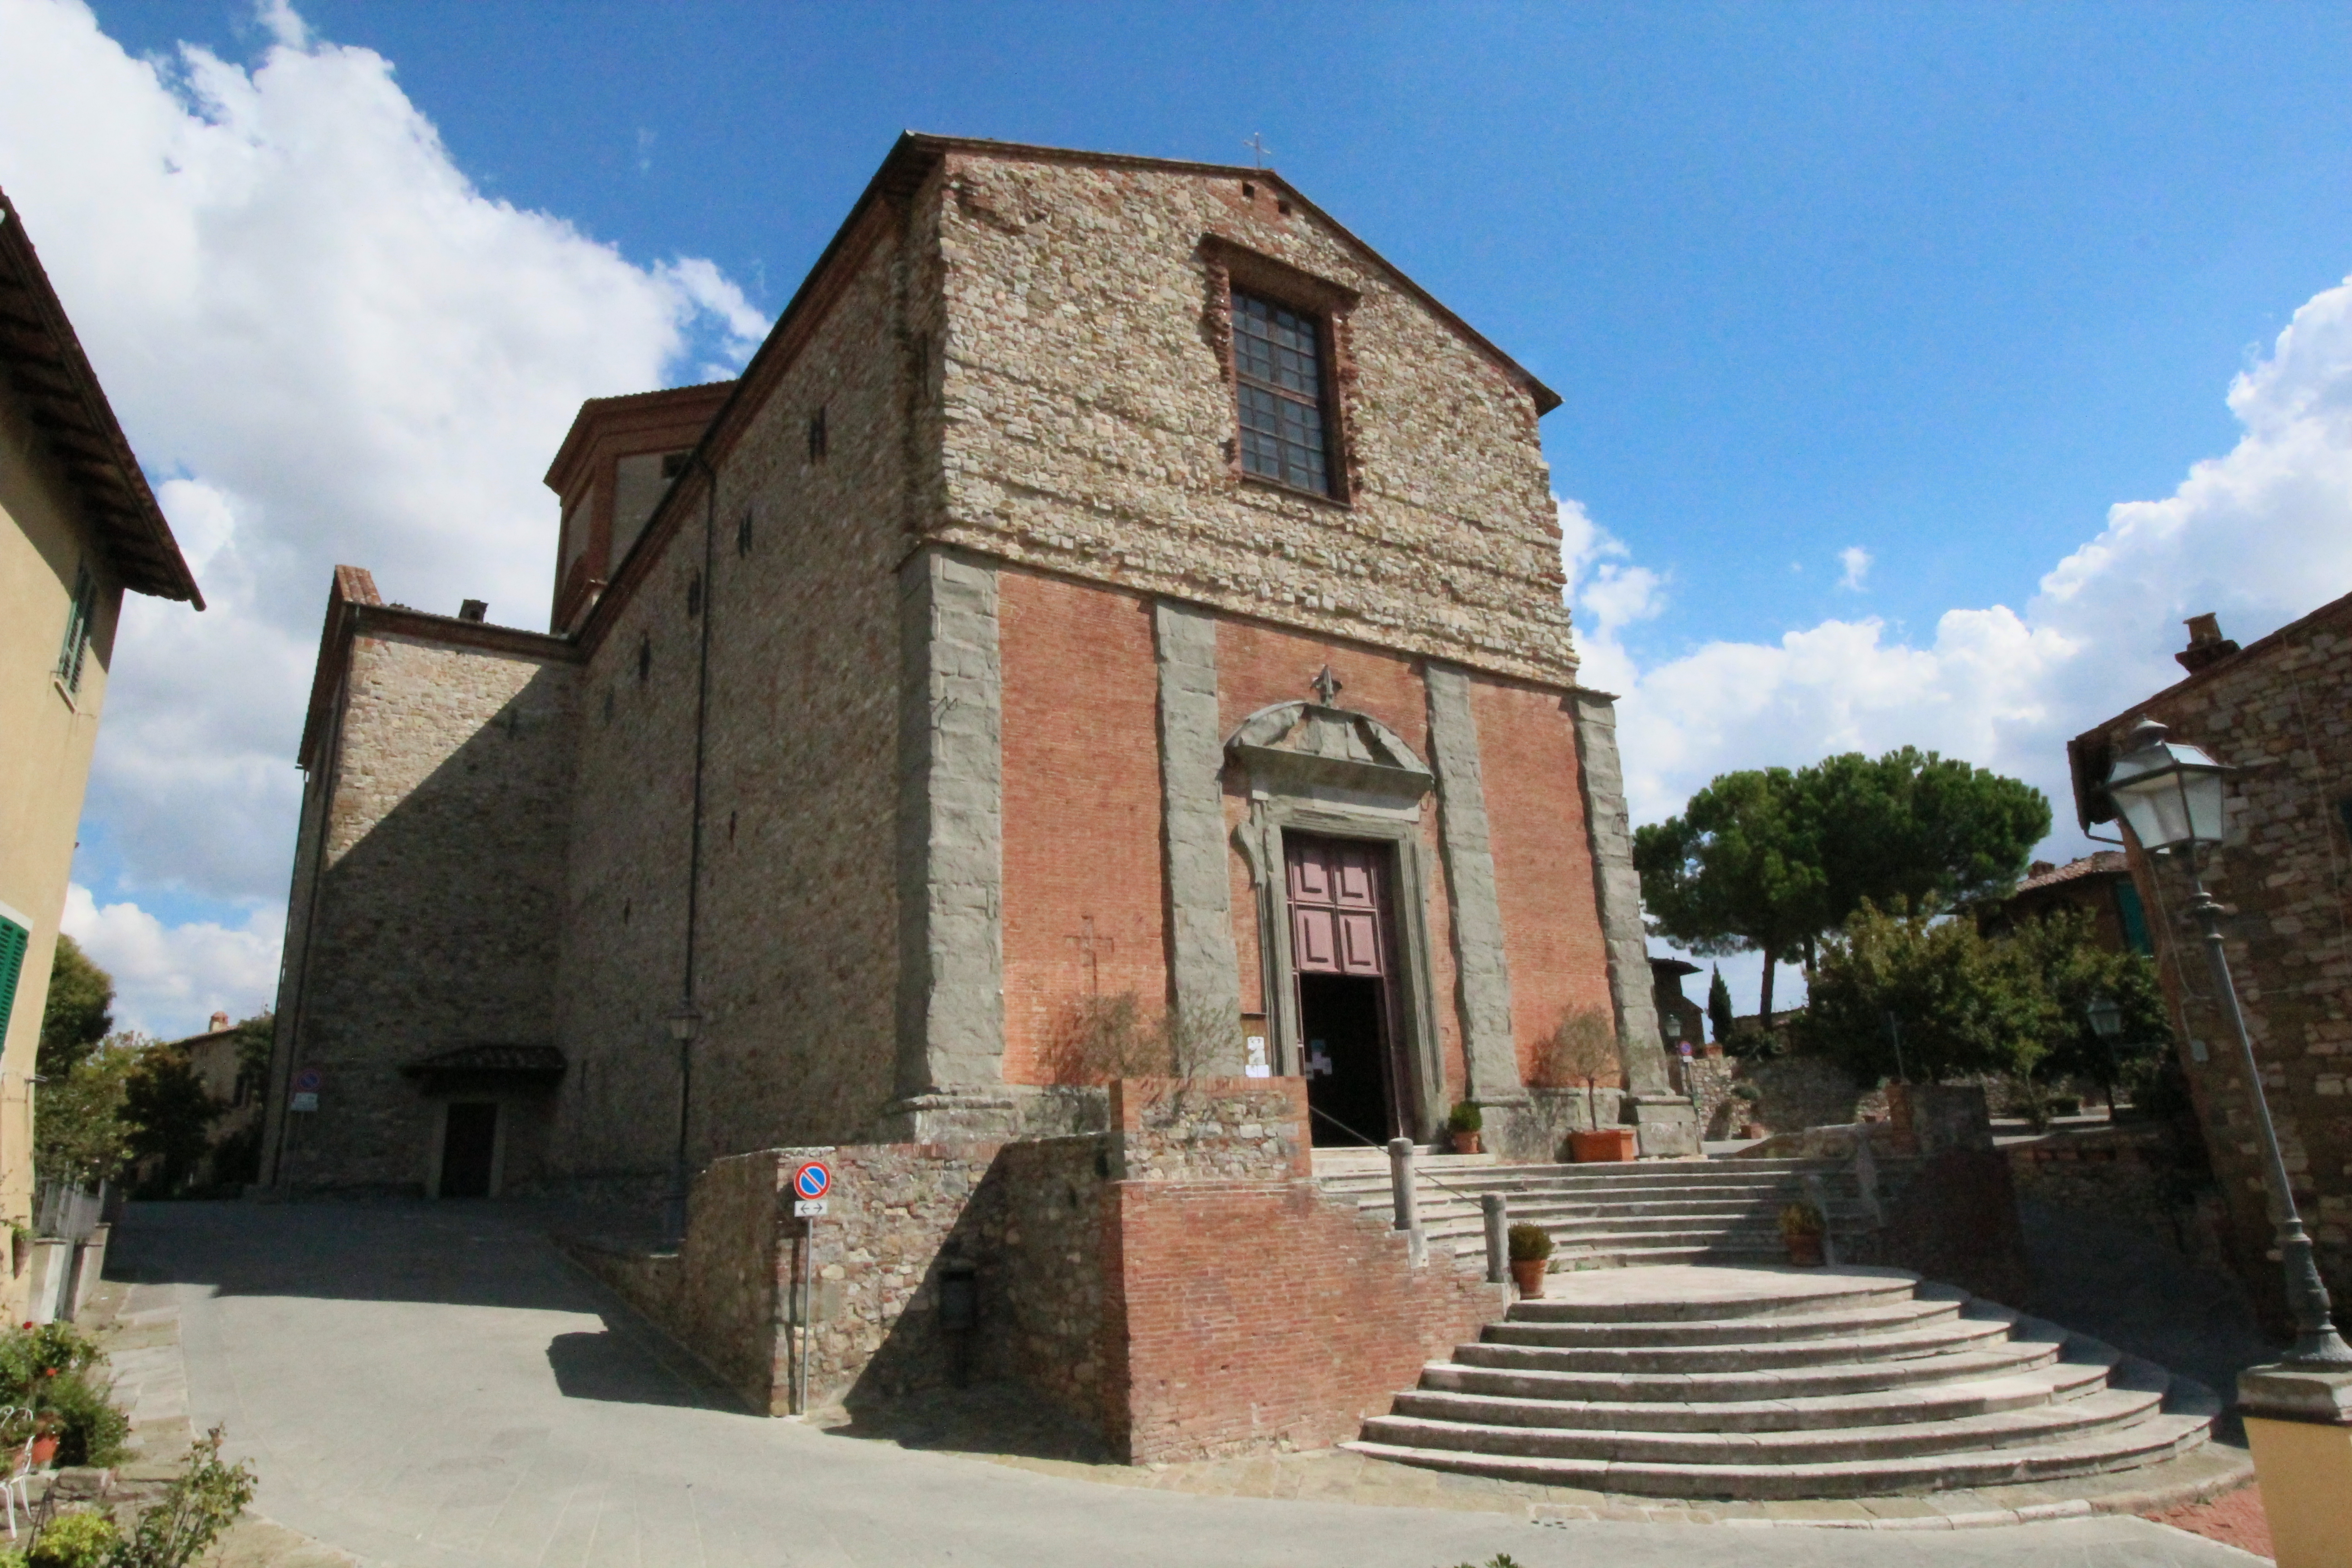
<point x="1278" y="383"/>
<point x="816" y="438"/>
<point x="78" y="617"/>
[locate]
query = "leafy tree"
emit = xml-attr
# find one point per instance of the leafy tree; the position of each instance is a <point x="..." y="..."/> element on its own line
<point x="1737" y="871"/>
<point x="2074" y="970"/>
<point x="255" y="1038"/>
<point x="170" y="1116"/>
<point x="78" y="1013"/>
<point x="1770" y="860"/>
<point x="80" y="1131"/>
<point x="1965" y="1004"/>
<point x="1719" y="1015"/>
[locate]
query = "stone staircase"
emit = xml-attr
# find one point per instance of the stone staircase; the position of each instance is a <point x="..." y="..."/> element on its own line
<point x="1617" y="1215"/>
<point x="1774" y="1382"/>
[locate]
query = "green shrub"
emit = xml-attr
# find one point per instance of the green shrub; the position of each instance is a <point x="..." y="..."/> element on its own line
<point x="74" y="1540"/>
<point x="1464" y="1119"/>
<point x="1529" y="1242"/>
<point x="90" y="1429"/>
<point x="205" y="1500"/>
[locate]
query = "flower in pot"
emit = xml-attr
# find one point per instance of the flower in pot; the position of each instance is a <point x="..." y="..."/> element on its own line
<point x="1465" y="1125"/>
<point x="1803" y="1228"/>
<point x="1530" y="1246"/>
<point x="1583" y="1050"/>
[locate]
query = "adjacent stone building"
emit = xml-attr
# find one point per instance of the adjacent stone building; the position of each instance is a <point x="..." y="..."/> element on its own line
<point x="1112" y="594"/>
<point x="79" y="527"/>
<point x="2279" y="714"/>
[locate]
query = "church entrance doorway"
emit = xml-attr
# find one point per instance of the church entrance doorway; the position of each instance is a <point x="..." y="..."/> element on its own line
<point x="1341" y="953"/>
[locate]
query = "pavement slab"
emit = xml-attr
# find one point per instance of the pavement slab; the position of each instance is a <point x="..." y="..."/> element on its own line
<point x="431" y="1384"/>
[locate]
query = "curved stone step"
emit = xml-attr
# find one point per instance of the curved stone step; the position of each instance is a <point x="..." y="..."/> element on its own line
<point x="1739" y="1331"/>
<point x="2147" y="1442"/>
<point x="1569" y="1352"/>
<point x="1523" y="1371"/>
<point x="1783" y="1291"/>
<point x="2106" y="1411"/>
<point x="2059" y="1382"/>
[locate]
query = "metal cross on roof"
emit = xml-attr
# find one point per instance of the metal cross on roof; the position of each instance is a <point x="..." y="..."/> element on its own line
<point x="1256" y="144"/>
<point x="1326" y="686"/>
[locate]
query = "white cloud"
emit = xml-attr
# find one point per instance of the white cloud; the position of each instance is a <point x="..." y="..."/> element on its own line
<point x="327" y="346"/>
<point x="168" y="979"/>
<point x="2262" y="535"/>
<point x="1857" y="562"/>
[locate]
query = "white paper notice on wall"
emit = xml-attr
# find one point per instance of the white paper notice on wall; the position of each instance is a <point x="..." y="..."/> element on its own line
<point x="1257" y="1066"/>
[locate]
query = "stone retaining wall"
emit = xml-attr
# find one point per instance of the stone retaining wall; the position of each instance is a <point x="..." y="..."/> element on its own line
<point x="1180" y="1284"/>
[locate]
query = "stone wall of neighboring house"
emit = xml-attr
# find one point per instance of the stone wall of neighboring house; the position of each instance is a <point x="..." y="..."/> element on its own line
<point x="1179" y="1284"/>
<point x="2137" y="1174"/>
<point x="414" y="930"/>
<point x="2275" y="713"/>
<point x="1800" y="1091"/>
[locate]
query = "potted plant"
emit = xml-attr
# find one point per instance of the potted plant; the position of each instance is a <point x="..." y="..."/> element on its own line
<point x="1583" y="1049"/>
<point x="1465" y="1125"/>
<point x="1530" y="1247"/>
<point x="1802" y="1230"/>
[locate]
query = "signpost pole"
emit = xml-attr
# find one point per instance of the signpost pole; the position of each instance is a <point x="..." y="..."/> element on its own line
<point x="808" y="1312"/>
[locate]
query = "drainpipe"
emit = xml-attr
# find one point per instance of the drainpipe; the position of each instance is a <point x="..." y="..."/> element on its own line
<point x="684" y="1021"/>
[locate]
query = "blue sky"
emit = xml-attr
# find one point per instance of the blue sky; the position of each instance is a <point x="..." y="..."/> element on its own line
<point x="1864" y="319"/>
<point x="1940" y="282"/>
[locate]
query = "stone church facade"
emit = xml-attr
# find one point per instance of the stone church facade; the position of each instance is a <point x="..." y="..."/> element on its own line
<point x="1110" y="578"/>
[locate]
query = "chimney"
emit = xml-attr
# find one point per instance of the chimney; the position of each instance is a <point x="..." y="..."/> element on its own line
<point x="2207" y="645"/>
<point x="2039" y="868"/>
<point x="220" y="1022"/>
<point x="475" y="609"/>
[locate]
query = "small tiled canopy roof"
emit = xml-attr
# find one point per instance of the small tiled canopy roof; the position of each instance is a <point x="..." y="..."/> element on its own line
<point x="2098" y="863"/>
<point x="514" y="1066"/>
<point x="43" y="361"/>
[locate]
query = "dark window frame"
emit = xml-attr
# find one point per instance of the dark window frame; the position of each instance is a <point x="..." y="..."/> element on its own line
<point x="80" y="615"/>
<point x="1268" y="405"/>
<point x="1234" y="271"/>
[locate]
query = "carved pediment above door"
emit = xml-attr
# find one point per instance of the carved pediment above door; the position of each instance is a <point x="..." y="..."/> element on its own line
<point x="1311" y="752"/>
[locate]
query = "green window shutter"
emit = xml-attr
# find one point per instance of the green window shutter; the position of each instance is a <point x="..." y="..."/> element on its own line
<point x="13" y="940"/>
<point x="78" y="618"/>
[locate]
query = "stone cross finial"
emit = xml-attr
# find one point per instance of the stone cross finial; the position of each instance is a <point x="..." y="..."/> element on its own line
<point x="1326" y="686"/>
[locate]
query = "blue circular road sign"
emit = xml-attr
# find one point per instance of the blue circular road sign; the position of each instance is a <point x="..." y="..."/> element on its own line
<point x="812" y="1180"/>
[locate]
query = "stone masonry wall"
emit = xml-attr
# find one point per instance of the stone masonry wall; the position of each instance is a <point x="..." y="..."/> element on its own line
<point x="2280" y="714"/>
<point x="428" y="932"/>
<point x="798" y="918"/>
<point x="1090" y="423"/>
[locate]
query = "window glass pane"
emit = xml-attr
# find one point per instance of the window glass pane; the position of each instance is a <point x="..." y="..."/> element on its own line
<point x="1279" y="370"/>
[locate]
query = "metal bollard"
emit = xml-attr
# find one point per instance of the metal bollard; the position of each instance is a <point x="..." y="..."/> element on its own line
<point x="1408" y="1203"/>
<point x="1499" y="1236"/>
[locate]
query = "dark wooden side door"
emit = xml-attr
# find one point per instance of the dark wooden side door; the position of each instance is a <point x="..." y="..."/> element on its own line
<point x="469" y="1142"/>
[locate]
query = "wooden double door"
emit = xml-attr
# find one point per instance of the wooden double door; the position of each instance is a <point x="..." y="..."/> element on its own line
<point x="1342" y="956"/>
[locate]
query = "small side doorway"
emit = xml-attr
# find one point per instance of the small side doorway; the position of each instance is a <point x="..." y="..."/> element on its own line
<point x="469" y="1147"/>
<point x="1340" y="951"/>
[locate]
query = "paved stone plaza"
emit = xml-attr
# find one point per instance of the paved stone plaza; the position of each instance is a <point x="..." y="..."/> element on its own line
<point x="434" y="1385"/>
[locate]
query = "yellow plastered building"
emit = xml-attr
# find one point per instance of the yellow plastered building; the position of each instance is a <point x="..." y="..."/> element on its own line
<point x="79" y="527"/>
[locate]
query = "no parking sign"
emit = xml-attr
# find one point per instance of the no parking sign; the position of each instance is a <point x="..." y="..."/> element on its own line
<point x="810" y="1183"/>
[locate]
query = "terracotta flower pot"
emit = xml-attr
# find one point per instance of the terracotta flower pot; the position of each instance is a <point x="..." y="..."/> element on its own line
<point x="1465" y="1143"/>
<point x="1527" y="1274"/>
<point x="1752" y="1130"/>
<point x="45" y="1450"/>
<point x="1804" y="1250"/>
<point x="1605" y="1143"/>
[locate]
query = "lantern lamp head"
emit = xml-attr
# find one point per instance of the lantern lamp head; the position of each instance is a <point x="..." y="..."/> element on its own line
<point x="2107" y="1017"/>
<point x="2169" y="794"/>
<point x="683" y="1022"/>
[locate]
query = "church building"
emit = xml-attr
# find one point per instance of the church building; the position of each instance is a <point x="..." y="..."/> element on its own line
<point x="1114" y="605"/>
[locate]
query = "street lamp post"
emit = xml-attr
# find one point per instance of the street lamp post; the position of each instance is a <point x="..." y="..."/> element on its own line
<point x="682" y="1026"/>
<point x="2107" y="1023"/>
<point x="2171" y="797"/>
